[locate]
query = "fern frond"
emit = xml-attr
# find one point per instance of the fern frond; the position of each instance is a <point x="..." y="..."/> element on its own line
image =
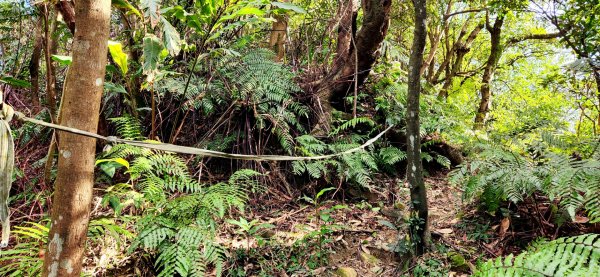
<point x="569" y="256"/>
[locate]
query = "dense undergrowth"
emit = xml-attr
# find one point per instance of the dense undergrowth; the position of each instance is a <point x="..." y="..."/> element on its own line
<point x="197" y="73"/>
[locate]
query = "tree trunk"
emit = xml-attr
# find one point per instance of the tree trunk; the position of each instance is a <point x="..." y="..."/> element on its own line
<point x="67" y="10"/>
<point x="461" y="49"/>
<point x="82" y="96"/>
<point x="34" y="64"/>
<point x="488" y="73"/>
<point x="278" y="35"/>
<point x="414" y="172"/>
<point x="355" y="54"/>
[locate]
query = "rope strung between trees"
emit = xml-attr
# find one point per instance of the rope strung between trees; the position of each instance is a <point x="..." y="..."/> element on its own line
<point x="7" y="154"/>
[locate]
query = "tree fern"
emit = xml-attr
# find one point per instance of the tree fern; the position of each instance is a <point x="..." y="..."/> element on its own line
<point x="251" y="85"/>
<point x="569" y="256"/>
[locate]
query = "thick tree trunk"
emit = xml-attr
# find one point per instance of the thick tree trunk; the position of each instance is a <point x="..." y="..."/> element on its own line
<point x="414" y="172"/>
<point x="488" y="73"/>
<point x="355" y="54"/>
<point x="82" y="96"/>
<point x="278" y="35"/>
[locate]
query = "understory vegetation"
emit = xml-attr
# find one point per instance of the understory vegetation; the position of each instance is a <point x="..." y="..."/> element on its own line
<point x="332" y="138"/>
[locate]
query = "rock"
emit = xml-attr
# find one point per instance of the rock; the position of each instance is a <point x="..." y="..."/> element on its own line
<point x="458" y="262"/>
<point x="369" y="259"/>
<point x="346" y="272"/>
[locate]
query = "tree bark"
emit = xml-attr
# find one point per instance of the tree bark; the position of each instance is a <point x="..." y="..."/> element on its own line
<point x="34" y="64"/>
<point x="67" y="10"/>
<point x="489" y="71"/>
<point x="278" y="35"/>
<point x="461" y="49"/>
<point x="355" y="54"/>
<point x="418" y="194"/>
<point x="82" y="97"/>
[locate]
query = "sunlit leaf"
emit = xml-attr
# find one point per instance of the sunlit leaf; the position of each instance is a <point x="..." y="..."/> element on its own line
<point x="63" y="60"/>
<point x="118" y="56"/>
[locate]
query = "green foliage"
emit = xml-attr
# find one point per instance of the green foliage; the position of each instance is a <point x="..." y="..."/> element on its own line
<point x="251" y="86"/>
<point x="179" y="214"/>
<point x="496" y="174"/>
<point x="182" y="229"/>
<point x="568" y="256"/>
<point x="27" y="256"/>
<point x="356" y="167"/>
<point x="24" y="258"/>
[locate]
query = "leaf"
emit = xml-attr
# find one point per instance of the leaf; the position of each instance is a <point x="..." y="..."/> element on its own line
<point x="120" y="161"/>
<point x="152" y="49"/>
<point x="15" y="82"/>
<point x="388" y="224"/>
<point x="504" y="224"/>
<point x="288" y="6"/>
<point x="322" y="192"/>
<point x="172" y="40"/>
<point x="150" y="8"/>
<point x="445" y="231"/>
<point x="62" y="60"/>
<point x="117" y="54"/>
<point x="125" y="5"/>
<point x="250" y="11"/>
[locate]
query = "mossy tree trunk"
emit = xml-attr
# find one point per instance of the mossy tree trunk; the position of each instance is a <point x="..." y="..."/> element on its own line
<point x="74" y="183"/>
<point x="489" y="71"/>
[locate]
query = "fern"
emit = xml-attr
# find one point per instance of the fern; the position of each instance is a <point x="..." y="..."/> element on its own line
<point x="128" y="127"/>
<point x="569" y="256"/>
<point x="497" y="174"/>
<point x="182" y="230"/>
<point x="251" y="85"/>
<point x="356" y="168"/>
<point x="180" y="214"/>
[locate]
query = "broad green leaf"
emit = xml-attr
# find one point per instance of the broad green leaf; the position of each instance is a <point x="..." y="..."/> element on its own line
<point x="176" y="11"/>
<point x="172" y="40"/>
<point x="125" y="5"/>
<point x="243" y="11"/>
<point x="250" y="11"/>
<point x="120" y="161"/>
<point x="63" y="60"/>
<point x="288" y="6"/>
<point x="150" y="8"/>
<point x="15" y="82"/>
<point x="117" y="54"/>
<point x="152" y="50"/>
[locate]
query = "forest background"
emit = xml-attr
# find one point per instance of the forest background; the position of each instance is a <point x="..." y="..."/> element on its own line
<point x="490" y="166"/>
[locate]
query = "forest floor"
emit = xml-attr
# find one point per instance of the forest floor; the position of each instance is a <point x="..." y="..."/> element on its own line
<point x="363" y="240"/>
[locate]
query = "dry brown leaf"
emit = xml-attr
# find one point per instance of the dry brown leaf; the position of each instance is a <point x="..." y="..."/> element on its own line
<point x="445" y="231"/>
<point x="504" y="224"/>
<point x="581" y="219"/>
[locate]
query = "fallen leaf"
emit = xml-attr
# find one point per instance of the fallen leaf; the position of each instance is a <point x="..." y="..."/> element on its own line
<point x="504" y="224"/>
<point x="581" y="219"/>
<point x="445" y="231"/>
